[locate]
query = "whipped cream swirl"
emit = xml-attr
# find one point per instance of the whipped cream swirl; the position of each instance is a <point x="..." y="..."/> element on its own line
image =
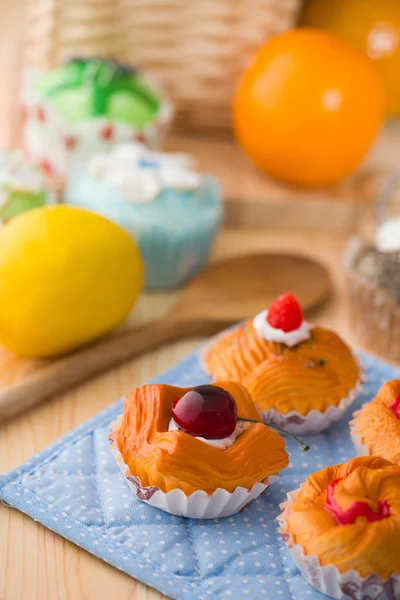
<point x="222" y="443"/>
<point x="271" y="334"/>
<point x="140" y="174"/>
<point x="387" y="237"/>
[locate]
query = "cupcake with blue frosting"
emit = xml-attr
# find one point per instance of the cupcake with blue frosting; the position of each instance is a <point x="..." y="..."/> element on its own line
<point x="161" y="200"/>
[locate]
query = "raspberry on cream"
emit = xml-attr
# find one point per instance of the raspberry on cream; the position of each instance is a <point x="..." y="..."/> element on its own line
<point x="283" y="322"/>
<point x="271" y="334"/>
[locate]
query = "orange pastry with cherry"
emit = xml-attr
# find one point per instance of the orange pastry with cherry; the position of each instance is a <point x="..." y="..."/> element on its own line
<point x="375" y="428"/>
<point x="342" y="528"/>
<point x="198" y="452"/>
<point x="300" y="376"/>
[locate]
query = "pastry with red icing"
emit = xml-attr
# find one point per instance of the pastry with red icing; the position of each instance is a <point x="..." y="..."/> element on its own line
<point x="197" y="452"/>
<point x="300" y="376"/>
<point x="375" y="428"/>
<point x="342" y="528"/>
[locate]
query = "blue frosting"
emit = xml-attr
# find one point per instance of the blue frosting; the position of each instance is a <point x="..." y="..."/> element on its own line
<point x="175" y="232"/>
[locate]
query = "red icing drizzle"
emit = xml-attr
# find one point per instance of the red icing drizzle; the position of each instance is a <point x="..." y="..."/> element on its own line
<point x="396" y="407"/>
<point x="349" y="515"/>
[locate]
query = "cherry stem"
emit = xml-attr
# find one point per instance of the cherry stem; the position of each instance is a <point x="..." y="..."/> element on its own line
<point x="304" y="446"/>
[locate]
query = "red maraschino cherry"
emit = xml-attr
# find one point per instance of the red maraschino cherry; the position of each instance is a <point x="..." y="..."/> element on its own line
<point x="206" y="411"/>
<point x="285" y="313"/>
<point x="210" y="412"/>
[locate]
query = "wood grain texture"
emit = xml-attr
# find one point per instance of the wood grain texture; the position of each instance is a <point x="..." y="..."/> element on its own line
<point x="35" y="564"/>
<point x="252" y="199"/>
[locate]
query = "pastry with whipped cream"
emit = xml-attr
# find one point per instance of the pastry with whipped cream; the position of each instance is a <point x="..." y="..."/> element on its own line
<point x="373" y="285"/>
<point x="196" y="452"/>
<point x="375" y="428"/>
<point x="301" y="376"/>
<point x="342" y="529"/>
<point x="171" y="210"/>
<point x="22" y="186"/>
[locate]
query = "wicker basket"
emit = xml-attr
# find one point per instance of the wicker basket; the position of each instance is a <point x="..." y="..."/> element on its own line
<point x="197" y="48"/>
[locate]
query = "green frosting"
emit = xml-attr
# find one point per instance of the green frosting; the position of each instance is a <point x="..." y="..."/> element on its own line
<point x="21" y="201"/>
<point x="85" y="88"/>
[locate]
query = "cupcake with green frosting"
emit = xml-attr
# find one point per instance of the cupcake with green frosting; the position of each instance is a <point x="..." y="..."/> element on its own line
<point x="89" y="105"/>
<point x="22" y="186"/>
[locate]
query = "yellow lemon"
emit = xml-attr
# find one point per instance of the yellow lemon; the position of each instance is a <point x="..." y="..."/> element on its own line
<point x="67" y="276"/>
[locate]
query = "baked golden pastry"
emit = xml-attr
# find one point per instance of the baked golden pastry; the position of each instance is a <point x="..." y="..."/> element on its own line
<point x="159" y="452"/>
<point x="376" y="427"/>
<point x="310" y="369"/>
<point x="348" y="516"/>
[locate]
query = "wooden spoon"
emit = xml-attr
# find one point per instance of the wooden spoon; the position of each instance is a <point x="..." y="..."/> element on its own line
<point x="225" y="293"/>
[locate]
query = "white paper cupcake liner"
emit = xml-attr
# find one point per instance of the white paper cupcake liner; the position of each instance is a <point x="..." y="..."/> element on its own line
<point x="360" y="448"/>
<point x="56" y="146"/>
<point x="315" y="421"/>
<point x="312" y="423"/>
<point x="328" y="579"/>
<point x="198" y="505"/>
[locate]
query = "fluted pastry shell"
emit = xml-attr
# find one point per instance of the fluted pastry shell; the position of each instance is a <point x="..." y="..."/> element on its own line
<point x="316" y="540"/>
<point x="198" y="505"/>
<point x="171" y="460"/>
<point x="375" y="429"/>
<point x="304" y="388"/>
<point x="327" y="578"/>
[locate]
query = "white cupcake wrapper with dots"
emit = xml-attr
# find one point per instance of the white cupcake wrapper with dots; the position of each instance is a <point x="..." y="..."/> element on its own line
<point x="57" y="146"/>
<point x="360" y="448"/>
<point x="312" y="423"/>
<point x="198" y="505"/>
<point x="328" y="579"/>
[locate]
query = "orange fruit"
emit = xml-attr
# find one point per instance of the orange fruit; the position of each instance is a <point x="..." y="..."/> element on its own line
<point x="308" y="107"/>
<point x="374" y="27"/>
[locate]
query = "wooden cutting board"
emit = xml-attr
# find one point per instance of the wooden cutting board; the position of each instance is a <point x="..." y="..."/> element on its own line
<point x="210" y="303"/>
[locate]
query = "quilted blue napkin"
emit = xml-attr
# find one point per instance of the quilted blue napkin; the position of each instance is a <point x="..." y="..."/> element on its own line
<point x="75" y="488"/>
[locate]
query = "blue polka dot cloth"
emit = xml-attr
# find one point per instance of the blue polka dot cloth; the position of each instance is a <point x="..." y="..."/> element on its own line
<point x="75" y="488"/>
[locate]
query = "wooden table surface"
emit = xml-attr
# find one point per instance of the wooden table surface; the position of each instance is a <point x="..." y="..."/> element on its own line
<point x="36" y="564"/>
